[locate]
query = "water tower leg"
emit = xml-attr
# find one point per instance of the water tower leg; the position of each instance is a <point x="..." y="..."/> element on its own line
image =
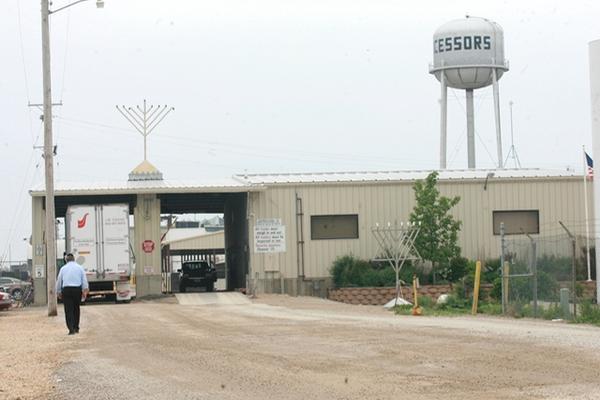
<point x="497" y="117"/>
<point x="470" y="128"/>
<point x="443" y="121"/>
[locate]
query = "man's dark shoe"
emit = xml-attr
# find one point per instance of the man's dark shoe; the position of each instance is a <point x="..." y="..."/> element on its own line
<point x="76" y="330"/>
<point x="71" y="332"/>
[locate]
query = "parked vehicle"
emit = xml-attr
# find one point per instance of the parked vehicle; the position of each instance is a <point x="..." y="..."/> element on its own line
<point x="197" y="274"/>
<point x="15" y="287"/>
<point x="98" y="237"/>
<point x="5" y="300"/>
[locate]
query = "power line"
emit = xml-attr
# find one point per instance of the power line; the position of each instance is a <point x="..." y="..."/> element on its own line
<point x="20" y="203"/>
<point x="62" y="89"/>
<point x="24" y="64"/>
<point x="22" y="49"/>
<point x="229" y="147"/>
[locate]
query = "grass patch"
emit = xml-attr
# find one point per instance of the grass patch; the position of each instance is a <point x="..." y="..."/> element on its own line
<point x="455" y="306"/>
<point x="590" y="314"/>
<point x="431" y="311"/>
<point x="552" y="312"/>
<point x="490" y="308"/>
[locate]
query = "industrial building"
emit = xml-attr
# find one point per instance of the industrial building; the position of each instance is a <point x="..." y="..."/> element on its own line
<point x="283" y="231"/>
<point x="329" y="215"/>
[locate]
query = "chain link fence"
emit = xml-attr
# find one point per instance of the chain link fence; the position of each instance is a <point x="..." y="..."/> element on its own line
<point x="544" y="276"/>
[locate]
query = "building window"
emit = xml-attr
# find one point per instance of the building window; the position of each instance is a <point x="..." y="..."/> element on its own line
<point x="333" y="227"/>
<point x="517" y="222"/>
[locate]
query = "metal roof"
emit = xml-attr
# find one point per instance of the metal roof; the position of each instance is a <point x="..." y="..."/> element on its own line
<point x="231" y="185"/>
<point x="400" y="176"/>
<point x="190" y="238"/>
<point x="257" y="182"/>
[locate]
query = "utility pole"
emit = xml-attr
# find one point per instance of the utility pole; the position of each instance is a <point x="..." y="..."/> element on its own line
<point x="48" y="162"/>
<point x="49" y="153"/>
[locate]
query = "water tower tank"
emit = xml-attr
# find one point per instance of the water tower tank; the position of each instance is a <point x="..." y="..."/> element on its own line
<point x="468" y="50"/>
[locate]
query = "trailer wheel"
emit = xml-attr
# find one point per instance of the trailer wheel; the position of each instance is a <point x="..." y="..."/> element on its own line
<point x="210" y="287"/>
<point x="182" y="289"/>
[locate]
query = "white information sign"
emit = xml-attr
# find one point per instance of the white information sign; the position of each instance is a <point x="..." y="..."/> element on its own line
<point x="39" y="271"/>
<point x="269" y="236"/>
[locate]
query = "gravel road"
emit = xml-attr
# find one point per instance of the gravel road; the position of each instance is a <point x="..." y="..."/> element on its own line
<point x="281" y="347"/>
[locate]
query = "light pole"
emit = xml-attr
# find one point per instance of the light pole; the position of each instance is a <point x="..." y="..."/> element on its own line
<point x="49" y="154"/>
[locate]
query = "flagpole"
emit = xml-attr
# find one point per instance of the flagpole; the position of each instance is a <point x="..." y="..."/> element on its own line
<point x="587" y="220"/>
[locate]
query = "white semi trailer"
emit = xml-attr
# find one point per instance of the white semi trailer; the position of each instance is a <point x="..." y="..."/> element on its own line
<point x="98" y="237"/>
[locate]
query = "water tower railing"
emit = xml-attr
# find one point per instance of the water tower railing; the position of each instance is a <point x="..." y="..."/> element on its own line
<point x="504" y="67"/>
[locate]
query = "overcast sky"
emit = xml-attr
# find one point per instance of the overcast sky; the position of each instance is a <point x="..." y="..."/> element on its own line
<point x="278" y="86"/>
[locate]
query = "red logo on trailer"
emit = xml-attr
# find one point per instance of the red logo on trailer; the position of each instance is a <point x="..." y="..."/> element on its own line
<point x="81" y="222"/>
<point x="148" y="246"/>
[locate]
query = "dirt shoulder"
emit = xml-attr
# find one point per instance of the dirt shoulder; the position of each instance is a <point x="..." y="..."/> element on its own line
<point x="282" y="347"/>
<point x="33" y="347"/>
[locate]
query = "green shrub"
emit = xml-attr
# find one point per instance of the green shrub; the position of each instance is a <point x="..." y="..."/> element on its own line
<point x="521" y="288"/>
<point x="426" y="302"/>
<point x="579" y="290"/>
<point x="590" y="313"/>
<point x="491" y="308"/>
<point x="490" y="270"/>
<point x="469" y="278"/>
<point x="349" y="271"/>
<point x="404" y="309"/>
<point x="558" y="267"/>
<point x="520" y="310"/>
<point x="455" y="270"/>
<point x="552" y="312"/>
<point x="338" y="269"/>
<point x="496" y="292"/>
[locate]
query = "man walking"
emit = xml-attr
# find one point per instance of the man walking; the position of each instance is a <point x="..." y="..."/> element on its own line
<point x="72" y="287"/>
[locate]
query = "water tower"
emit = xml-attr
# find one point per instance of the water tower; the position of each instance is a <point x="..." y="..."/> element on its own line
<point x="468" y="54"/>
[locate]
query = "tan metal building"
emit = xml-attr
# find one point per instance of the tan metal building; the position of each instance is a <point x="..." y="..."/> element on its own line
<point x="329" y="215"/>
<point x="207" y="241"/>
<point x="148" y="199"/>
<point x="283" y="231"/>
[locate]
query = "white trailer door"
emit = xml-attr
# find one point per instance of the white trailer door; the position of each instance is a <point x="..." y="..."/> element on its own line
<point x="115" y="239"/>
<point x="82" y="234"/>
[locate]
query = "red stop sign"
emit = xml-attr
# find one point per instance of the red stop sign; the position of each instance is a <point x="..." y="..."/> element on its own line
<point x="148" y="246"/>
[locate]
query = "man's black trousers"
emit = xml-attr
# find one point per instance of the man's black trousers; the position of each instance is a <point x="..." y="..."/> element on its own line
<point x="71" y="300"/>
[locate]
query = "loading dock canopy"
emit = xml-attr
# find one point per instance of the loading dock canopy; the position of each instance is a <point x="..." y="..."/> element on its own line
<point x="175" y="197"/>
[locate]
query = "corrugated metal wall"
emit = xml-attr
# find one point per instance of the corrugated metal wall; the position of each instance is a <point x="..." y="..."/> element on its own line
<point x="214" y="240"/>
<point x="147" y="227"/>
<point x="555" y="198"/>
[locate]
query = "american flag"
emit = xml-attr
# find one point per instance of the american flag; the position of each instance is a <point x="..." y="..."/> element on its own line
<point x="590" y="166"/>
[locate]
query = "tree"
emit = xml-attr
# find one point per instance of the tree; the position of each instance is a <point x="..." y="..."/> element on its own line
<point x="437" y="240"/>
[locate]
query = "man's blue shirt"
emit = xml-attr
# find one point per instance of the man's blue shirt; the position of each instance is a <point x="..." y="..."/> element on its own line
<point x="71" y="274"/>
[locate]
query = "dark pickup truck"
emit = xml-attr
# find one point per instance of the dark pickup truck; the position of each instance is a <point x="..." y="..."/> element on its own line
<point x="197" y="274"/>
